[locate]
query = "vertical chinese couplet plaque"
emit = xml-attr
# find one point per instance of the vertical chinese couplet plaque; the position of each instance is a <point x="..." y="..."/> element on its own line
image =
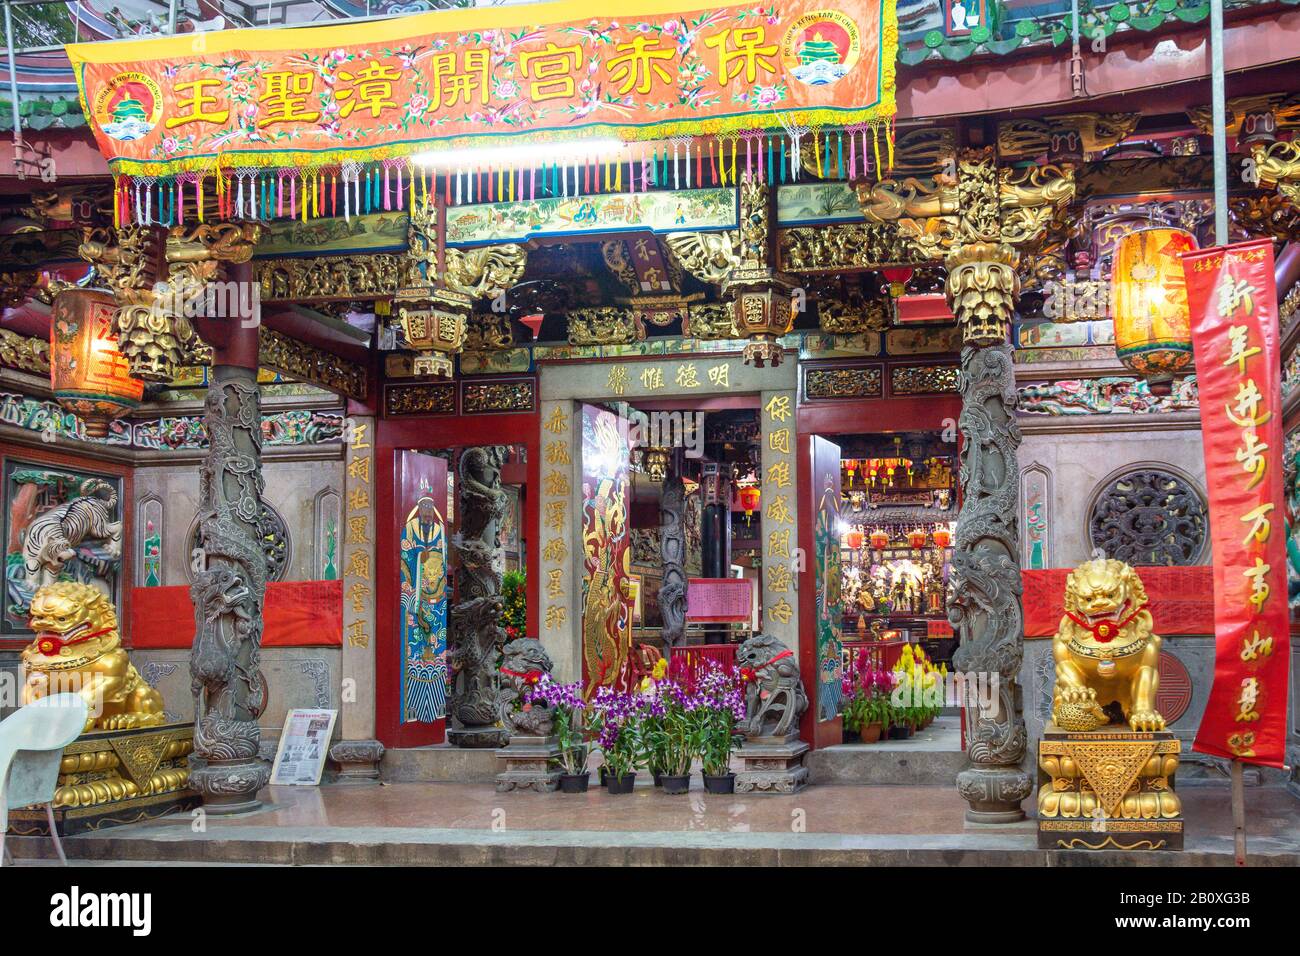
<point x="1233" y="303"/>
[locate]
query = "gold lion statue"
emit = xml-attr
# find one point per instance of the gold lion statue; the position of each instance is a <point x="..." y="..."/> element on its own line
<point x="78" y="650"/>
<point x="1105" y="652"/>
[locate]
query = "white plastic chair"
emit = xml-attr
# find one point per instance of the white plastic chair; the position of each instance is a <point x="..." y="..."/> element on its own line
<point x="31" y="748"/>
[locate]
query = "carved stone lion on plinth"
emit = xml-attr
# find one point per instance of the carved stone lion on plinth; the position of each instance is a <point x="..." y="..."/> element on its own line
<point x="525" y="662"/>
<point x="1106" y="654"/>
<point x="774" y="694"/>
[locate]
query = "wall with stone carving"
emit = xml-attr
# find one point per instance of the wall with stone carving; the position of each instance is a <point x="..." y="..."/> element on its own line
<point x="299" y="490"/>
<point x="296" y="677"/>
<point x="1077" y="457"/>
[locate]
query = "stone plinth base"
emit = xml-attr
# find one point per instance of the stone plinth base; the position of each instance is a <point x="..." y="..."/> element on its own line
<point x="112" y="777"/>
<point x="477" y="738"/>
<point x="529" y="763"/>
<point x="357" y="759"/>
<point x="1108" y="789"/>
<point x="772" y="765"/>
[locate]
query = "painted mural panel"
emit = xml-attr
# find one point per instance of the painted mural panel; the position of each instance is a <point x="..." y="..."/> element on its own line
<point x="826" y="544"/>
<point x="149" y="527"/>
<point x="424" y="599"/>
<point x="606" y="550"/>
<point x="1034" y="488"/>
<point x="60" y="525"/>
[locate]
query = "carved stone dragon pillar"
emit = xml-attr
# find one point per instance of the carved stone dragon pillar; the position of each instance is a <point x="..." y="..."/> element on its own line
<point x="672" y="549"/>
<point x="225" y="661"/>
<point x="476" y="636"/>
<point x="984" y="593"/>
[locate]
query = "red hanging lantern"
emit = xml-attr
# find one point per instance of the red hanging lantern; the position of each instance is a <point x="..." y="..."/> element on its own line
<point x="916" y="538"/>
<point x="879" y="540"/>
<point x="942" y="538"/>
<point x="897" y="277"/>
<point x="88" y="375"/>
<point x="749" y="498"/>
<point x="1153" y="333"/>
<point x="854" y="539"/>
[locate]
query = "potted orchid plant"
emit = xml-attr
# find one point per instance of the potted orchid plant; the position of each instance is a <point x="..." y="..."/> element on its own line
<point x="568" y="706"/>
<point x="717" y="704"/>
<point x="619" y="725"/>
<point x="670" y="735"/>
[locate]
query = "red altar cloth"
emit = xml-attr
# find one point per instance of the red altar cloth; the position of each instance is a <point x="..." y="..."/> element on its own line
<point x="296" y="614"/>
<point x="1181" y="599"/>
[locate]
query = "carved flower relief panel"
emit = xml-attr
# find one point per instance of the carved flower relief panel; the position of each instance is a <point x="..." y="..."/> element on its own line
<point x="856" y="382"/>
<point x="149" y="542"/>
<point x="508" y="396"/>
<point x="327" y="534"/>
<point x="922" y="379"/>
<point x="1149" y="515"/>
<point x="1035" y="516"/>
<point x="429" y="398"/>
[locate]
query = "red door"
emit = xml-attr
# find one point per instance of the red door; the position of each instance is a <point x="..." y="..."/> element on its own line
<point x="411" y="656"/>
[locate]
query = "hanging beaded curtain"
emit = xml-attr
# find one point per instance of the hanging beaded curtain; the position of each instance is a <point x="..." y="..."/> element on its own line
<point x="346" y="119"/>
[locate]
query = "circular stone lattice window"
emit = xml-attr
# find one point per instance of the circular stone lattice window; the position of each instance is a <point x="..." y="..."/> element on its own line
<point x="1149" y="516"/>
<point x="275" y="542"/>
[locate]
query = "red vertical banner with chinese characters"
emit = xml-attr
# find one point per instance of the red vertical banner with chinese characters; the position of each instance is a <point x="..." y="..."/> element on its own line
<point x="1233" y="303"/>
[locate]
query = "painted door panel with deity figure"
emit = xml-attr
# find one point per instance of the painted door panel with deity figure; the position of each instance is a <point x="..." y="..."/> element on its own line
<point x="423" y="582"/>
<point x="826" y="569"/>
<point x="606" y="550"/>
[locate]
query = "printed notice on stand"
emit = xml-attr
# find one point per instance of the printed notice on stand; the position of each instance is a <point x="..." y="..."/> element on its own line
<point x="304" y="742"/>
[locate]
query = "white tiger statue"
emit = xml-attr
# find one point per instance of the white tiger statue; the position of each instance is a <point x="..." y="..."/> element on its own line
<point x="53" y="536"/>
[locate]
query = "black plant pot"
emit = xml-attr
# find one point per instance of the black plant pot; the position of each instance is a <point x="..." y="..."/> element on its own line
<point x="574" y="782"/>
<point x="604" y="776"/>
<point x="623" y="784"/>
<point x="659" y="777"/>
<point x="897" y="732"/>
<point x="675" y="783"/>
<point x="723" y="783"/>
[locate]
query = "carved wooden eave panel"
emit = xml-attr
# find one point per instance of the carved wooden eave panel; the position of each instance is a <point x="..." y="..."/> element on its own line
<point x="332" y="278"/>
<point x="1098" y="131"/>
<point x="1285" y="108"/>
<point x="24" y="353"/>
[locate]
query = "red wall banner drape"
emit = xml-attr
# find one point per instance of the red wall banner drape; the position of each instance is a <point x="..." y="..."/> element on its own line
<point x="1181" y="600"/>
<point x="296" y="614"/>
<point x="1233" y="303"/>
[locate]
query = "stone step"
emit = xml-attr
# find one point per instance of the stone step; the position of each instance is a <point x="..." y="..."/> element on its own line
<point x="932" y="757"/>
<point x="439" y="763"/>
<point x="385" y="846"/>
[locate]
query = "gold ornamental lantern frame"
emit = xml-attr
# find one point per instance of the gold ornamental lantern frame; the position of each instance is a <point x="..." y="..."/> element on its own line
<point x="433" y="322"/>
<point x="762" y="302"/>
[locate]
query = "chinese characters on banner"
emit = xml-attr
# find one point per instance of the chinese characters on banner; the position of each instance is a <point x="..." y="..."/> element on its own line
<point x="382" y="90"/>
<point x="1233" y="303"/>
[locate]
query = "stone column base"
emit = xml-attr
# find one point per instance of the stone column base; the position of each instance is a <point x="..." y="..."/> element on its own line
<point x="357" y="759"/>
<point x="772" y="765"/>
<point x="529" y="763"/>
<point x="477" y="738"/>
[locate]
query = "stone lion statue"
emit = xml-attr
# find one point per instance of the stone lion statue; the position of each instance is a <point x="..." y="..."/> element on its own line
<point x="774" y="694"/>
<point x="524" y="662"/>
<point x="78" y="650"/>
<point x="1106" y="654"/>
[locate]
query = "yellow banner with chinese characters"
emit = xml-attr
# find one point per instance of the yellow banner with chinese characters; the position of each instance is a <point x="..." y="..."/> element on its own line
<point x="483" y="77"/>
